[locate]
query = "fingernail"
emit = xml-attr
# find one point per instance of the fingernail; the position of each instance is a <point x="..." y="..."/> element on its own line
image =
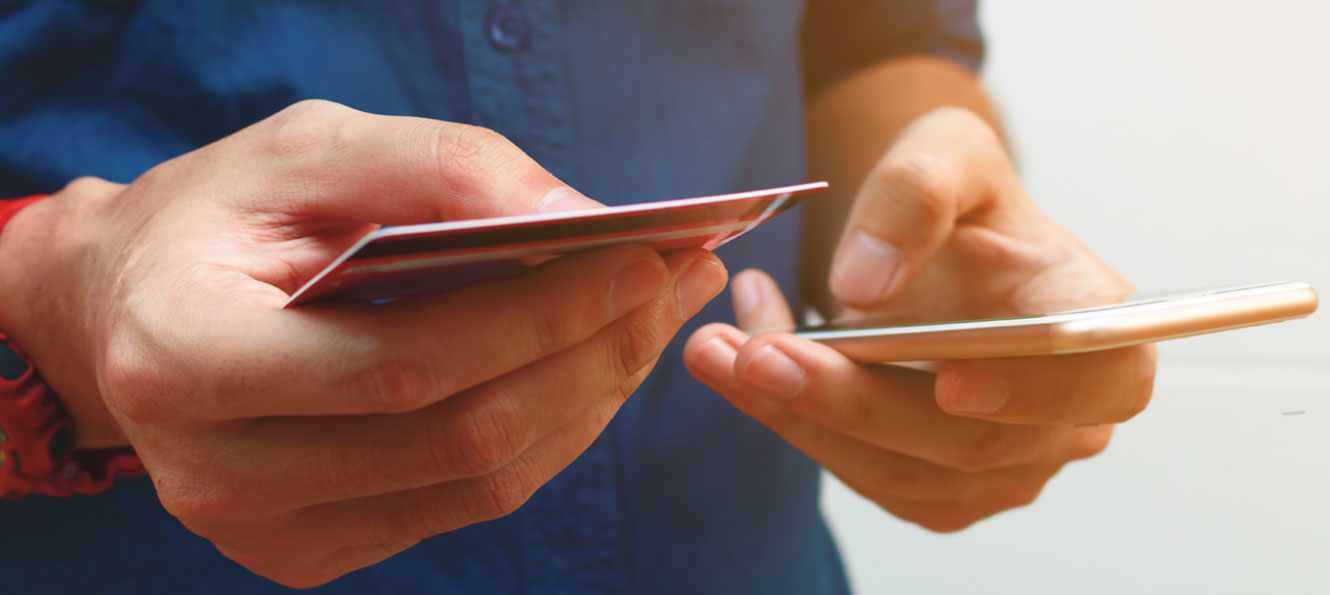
<point x="636" y="284"/>
<point x="702" y="281"/>
<point x="773" y="372"/>
<point x="865" y="269"/>
<point x="563" y="199"/>
<point x="976" y="391"/>
<point x="715" y="359"/>
<point x="745" y="293"/>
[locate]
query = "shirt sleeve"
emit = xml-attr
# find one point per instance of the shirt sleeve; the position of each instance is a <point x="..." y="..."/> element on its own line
<point x="841" y="37"/>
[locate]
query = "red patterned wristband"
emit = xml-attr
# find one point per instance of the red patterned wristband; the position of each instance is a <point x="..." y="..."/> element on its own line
<point x="36" y="454"/>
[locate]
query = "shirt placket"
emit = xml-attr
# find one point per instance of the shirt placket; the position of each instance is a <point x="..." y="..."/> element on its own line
<point x="571" y="536"/>
<point x="516" y="71"/>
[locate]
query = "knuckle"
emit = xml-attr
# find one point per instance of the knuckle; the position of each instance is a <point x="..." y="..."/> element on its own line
<point x="199" y="505"/>
<point x="604" y="410"/>
<point x="926" y="182"/>
<point x="133" y="383"/>
<point x="89" y="187"/>
<point x="635" y="345"/>
<point x="463" y="147"/>
<point x="303" y="127"/>
<point x="552" y="329"/>
<point x="316" y="107"/>
<point x="393" y="385"/>
<point x="500" y="495"/>
<point x="481" y="444"/>
<point x="622" y="392"/>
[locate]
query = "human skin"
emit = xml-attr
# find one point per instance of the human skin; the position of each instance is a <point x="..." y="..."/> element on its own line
<point x="309" y="442"/>
<point x="935" y="226"/>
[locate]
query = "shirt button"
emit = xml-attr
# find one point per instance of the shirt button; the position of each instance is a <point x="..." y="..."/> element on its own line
<point x="506" y="28"/>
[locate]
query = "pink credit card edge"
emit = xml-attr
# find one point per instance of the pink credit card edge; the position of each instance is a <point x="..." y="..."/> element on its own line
<point x="418" y="259"/>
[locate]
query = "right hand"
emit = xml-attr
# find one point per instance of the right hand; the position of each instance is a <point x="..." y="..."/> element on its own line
<point x="310" y="442"/>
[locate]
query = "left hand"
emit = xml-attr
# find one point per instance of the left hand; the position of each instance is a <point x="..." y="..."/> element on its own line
<point x="941" y="230"/>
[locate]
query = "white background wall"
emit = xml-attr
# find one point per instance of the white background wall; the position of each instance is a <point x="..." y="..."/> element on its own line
<point x="1188" y="142"/>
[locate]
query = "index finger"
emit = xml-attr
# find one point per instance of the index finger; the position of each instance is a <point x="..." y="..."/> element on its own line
<point x="322" y="159"/>
<point x="256" y="359"/>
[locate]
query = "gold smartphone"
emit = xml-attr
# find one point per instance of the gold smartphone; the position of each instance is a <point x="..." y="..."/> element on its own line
<point x="1140" y="319"/>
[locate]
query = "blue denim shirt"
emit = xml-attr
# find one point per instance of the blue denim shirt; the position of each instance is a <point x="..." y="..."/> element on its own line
<point x="628" y="101"/>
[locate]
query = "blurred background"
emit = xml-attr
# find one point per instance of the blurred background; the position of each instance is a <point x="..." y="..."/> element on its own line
<point x="1188" y="143"/>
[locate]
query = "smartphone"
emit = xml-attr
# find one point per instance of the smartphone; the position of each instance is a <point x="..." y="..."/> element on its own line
<point x="1140" y="319"/>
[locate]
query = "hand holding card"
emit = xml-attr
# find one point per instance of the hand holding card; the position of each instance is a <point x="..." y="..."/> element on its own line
<point x="399" y="261"/>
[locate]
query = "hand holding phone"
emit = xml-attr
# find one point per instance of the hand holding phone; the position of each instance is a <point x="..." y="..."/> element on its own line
<point x="941" y="229"/>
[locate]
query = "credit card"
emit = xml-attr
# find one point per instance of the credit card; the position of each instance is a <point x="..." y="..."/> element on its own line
<point x="394" y="262"/>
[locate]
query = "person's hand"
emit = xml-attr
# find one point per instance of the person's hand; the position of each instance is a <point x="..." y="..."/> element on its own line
<point x="309" y="442"/>
<point x="941" y="230"/>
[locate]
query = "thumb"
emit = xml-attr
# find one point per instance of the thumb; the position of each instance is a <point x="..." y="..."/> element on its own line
<point x="945" y="167"/>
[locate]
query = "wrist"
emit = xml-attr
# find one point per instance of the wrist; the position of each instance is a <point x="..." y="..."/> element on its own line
<point x="36" y="432"/>
<point x="42" y="314"/>
<point x="18" y="252"/>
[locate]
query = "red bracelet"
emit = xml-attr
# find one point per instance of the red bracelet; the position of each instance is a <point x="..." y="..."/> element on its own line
<point x="36" y="439"/>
